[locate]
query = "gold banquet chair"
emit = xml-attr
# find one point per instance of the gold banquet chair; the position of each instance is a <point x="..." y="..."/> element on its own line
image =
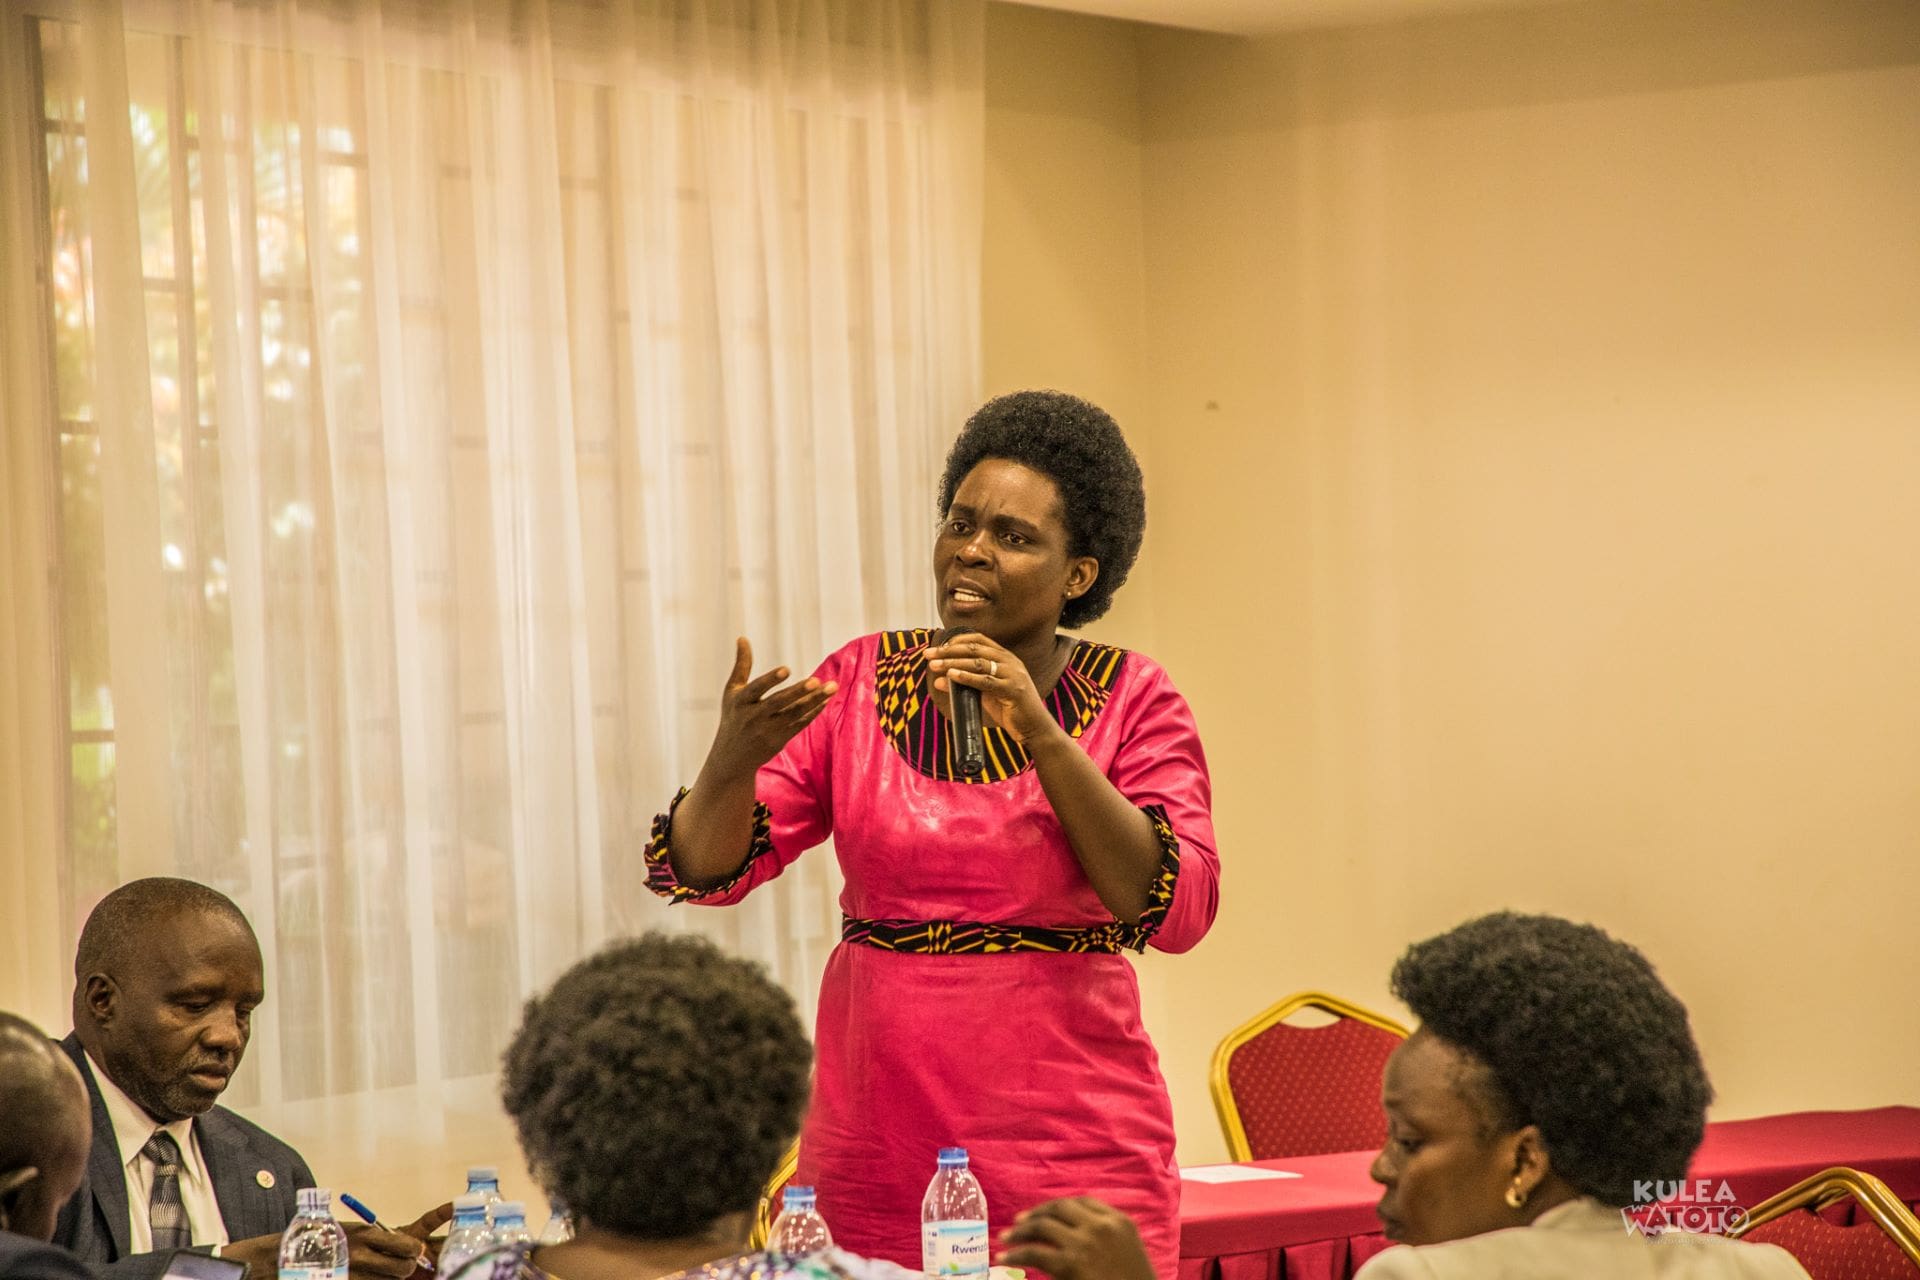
<point x="1284" y="1090"/>
<point x="1884" y="1245"/>
<point x="769" y="1207"/>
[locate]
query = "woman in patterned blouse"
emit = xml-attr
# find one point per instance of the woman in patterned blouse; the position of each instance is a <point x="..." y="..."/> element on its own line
<point x="654" y="1088"/>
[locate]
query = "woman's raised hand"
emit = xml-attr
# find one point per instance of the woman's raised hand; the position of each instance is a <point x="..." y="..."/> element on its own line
<point x="756" y="718"/>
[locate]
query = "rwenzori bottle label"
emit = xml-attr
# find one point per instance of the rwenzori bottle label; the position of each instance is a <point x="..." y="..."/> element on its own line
<point x="957" y="1247"/>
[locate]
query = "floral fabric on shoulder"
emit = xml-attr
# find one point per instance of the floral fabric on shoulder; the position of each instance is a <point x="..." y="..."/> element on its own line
<point x="515" y="1262"/>
<point x="506" y="1262"/>
<point x="832" y="1264"/>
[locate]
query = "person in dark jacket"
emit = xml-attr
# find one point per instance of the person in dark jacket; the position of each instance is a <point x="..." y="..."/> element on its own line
<point x="44" y="1133"/>
<point x="166" y="979"/>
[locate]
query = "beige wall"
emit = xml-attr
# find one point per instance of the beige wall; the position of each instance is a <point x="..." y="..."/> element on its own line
<point x="1063" y="261"/>
<point x="1532" y="409"/>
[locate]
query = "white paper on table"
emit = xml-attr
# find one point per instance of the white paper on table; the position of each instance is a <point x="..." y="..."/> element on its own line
<point x="1233" y="1173"/>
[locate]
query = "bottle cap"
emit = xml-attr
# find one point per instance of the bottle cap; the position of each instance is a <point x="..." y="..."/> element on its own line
<point x="797" y="1197"/>
<point x="472" y="1204"/>
<point x="509" y="1211"/>
<point x="315" y="1198"/>
<point x="484" y="1173"/>
<point x="951" y="1156"/>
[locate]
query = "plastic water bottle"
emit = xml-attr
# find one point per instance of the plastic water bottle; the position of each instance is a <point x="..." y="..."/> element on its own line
<point x="510" y="1223"/>
<point x="559" y="1228"/>
<point x="484" y="1180"/>
<point x="470" y="1234"/>
<point x="799" y="1230"/>
<point x="953" y="1220"/>
<point x="314" y="1246"/>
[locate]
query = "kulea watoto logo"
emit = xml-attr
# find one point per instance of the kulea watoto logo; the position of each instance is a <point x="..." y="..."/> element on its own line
<point x="1701" y="1206"/>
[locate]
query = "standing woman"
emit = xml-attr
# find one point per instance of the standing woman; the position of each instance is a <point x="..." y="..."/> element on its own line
<point x="979" y="997"/>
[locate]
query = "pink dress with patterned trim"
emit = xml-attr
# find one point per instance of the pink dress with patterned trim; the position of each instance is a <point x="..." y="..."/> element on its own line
<point x="980" y="999"/>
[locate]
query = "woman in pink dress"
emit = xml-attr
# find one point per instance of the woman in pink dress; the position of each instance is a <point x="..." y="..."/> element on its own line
<point x="978" y="997"/>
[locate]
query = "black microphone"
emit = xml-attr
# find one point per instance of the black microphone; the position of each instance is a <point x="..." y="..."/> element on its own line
<point x="968" y="726"/>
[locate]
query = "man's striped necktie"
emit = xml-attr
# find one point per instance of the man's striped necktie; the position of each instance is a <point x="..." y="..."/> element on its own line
<point x="165" y="1210"/>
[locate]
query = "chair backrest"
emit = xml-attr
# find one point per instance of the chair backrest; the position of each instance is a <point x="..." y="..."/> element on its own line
<point x="1286" y="1090"/>
<point x="1883" y="1243"/>
<point x="769" y="1207"/>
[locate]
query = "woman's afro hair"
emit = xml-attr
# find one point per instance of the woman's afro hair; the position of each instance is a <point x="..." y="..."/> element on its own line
<point x="1079" y="447"/>
<point x="655" y="1085"/>
<point x="1578" y="1035"/>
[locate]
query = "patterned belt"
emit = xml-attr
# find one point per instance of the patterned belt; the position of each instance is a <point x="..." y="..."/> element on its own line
<point x="967" y="937"/>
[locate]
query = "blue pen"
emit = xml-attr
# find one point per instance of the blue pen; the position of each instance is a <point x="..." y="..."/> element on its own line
<point x="353" y="1203"/>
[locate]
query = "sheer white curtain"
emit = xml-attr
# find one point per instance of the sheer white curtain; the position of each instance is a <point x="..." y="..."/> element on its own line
<point x="406" y="404"/>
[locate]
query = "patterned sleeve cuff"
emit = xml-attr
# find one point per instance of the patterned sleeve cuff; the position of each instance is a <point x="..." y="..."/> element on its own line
<point x="1160" y="895"/>
<point x="660" y="876"/>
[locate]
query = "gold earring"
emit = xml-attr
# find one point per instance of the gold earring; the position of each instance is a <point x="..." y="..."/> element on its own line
<point x="1516" y="1198"/>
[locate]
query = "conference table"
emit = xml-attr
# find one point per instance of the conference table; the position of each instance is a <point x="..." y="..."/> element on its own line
<point x="1236" y="1223"/>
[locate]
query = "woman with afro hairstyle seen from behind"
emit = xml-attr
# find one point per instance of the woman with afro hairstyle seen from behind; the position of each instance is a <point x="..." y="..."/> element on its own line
<point x="979" y="997"/>
<point x="654" y="1088"/>
<point x="1551" y="1072"/>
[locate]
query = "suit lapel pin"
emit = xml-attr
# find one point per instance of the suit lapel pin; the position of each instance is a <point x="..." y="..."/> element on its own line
<point x="264" y="1178"/>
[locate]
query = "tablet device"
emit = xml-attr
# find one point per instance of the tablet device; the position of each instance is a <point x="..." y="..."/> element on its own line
<point x="187" y="1265"/>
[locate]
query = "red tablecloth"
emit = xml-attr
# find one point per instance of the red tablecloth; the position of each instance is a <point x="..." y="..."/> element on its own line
<point x="1321" y="1224"/>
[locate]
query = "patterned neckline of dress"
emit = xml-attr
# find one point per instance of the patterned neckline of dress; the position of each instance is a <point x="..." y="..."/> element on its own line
<point x="918" y="732"/>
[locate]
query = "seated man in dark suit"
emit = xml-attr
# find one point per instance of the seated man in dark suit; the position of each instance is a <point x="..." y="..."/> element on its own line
<point x="43" y="1151"/>
<point x="165" y="984"/>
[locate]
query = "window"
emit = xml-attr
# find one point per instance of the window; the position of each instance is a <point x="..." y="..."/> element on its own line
<point x="493" y="381"/>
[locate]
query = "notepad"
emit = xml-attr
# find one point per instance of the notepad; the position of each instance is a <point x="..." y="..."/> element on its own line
<point x="1233" y="1173"/>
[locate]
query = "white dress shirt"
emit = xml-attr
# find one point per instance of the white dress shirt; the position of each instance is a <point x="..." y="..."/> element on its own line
<point x="132" y="1127"/>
